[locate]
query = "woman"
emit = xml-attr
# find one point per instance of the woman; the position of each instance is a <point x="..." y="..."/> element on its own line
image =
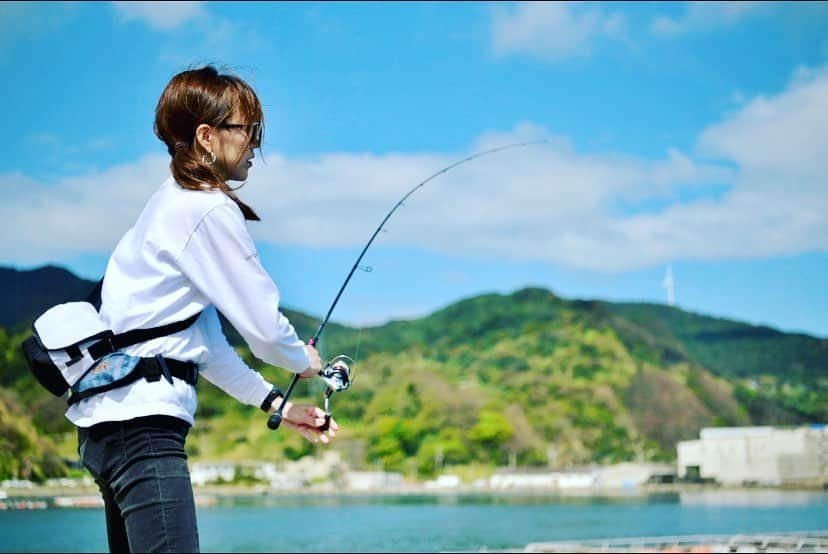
<point x="188" y="253"/>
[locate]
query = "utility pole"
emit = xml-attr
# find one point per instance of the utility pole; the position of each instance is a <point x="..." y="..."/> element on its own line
<point x="670" y="285"/>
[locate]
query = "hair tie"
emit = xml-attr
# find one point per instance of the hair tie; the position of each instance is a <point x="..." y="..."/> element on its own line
<point x="179" y="145"/>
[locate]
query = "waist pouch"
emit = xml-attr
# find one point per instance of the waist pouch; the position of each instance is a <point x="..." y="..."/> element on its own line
<point x="69" y="339"/>
<point x="118" y="369"/>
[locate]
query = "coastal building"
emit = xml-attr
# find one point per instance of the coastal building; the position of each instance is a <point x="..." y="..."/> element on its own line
<point x="543" y="479"/>
<point x="757" y="455"/>
<point x="619" y="476"/>
<point x="202" y="473"/>
<point x="373" y="480"/>
<point x="296" y="474"/>
<point x="523" y="480"/>
<point x="278" y="479"/>
<point x="443" y="482"/>
<point x="630" y="475"/>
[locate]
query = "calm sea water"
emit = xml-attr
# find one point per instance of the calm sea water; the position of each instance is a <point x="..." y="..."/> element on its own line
<point x="434" y="523"/>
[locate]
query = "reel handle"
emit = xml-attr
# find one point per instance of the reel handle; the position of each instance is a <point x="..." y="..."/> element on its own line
<point x="327" y="424"/>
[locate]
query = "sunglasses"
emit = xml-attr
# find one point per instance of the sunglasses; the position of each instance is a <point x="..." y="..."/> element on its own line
<point x="254" y="130"/>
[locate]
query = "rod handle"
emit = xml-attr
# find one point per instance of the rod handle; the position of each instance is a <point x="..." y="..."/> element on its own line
<point x="274" y="421"/>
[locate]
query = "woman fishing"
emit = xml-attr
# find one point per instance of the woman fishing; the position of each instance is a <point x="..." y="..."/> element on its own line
<point x="187" y="257"/>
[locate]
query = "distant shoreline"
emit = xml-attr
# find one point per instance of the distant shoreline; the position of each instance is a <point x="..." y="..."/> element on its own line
<point x="420" y="490"/>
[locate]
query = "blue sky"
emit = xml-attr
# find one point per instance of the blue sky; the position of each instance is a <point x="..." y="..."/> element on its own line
<point x="682" y="135"/>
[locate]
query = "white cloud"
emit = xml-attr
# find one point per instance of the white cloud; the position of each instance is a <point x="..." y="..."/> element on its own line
<point x="56" y="221"/>
<point x="778" y="204"/>
<point x="706" y="16"/>
<point x="514" y="203"/>
<point x="161" y="16"/>
<point x="781" y="137"/>
<point x="546" y="202"/>
<point x="551" y="30"/>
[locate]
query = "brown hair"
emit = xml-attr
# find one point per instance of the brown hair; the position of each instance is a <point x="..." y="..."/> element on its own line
<point x="201" y="96"/>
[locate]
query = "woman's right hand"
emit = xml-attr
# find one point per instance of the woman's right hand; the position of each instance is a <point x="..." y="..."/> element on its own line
<point x="306" y="419"/>
<point x="316" y="363"/>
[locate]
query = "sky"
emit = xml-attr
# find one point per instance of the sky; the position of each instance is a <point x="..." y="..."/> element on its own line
<point x="687" y="138"/>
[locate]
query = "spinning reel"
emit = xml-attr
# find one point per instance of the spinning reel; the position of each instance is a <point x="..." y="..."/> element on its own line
<point x="338" y="376"/>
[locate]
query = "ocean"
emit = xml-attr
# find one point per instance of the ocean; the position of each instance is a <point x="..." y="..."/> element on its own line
<point x="418" y="522"/>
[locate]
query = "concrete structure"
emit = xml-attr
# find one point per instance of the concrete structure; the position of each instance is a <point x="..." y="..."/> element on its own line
<point x="278" y="479"/>
<point x="619" y="476"/>
<point x="202" y="473"/>
<point x="577" y="480"/>
<point x="305" y="472"/>
<point x="523" y="480"/>
<point x="373" y="480"/>
<point x="443" y="482"/>
<point x="544" y="479"/>
<point x="630" y="475"/>
<point x="757" y="455"/>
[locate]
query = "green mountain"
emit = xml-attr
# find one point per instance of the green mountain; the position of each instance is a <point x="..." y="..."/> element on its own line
<point x="25" y="294"/>
<point x="528" y="376"/>
<point x="598" y="381"/>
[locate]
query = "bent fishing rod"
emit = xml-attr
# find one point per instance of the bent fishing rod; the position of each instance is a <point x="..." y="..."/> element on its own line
<point x="337" y="372"/>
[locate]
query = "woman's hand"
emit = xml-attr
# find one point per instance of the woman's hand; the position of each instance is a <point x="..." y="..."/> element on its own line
<point x="316" y="363"/>
<point x="306" y="419"/>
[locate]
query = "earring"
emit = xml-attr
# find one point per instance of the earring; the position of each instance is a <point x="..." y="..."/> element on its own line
<point x="212" y="158"/>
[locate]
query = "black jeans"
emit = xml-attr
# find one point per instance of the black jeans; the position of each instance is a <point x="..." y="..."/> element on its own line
<point x="141" y="468"/>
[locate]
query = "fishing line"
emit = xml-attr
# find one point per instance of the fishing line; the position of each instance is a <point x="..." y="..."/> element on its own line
<point x="337" y="373"/>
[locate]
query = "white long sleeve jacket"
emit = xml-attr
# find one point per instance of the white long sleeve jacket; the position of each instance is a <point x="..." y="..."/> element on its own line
<point x="190" y="251"/>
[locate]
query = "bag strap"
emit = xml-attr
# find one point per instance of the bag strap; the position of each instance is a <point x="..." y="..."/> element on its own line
<point x="112" y="343"/>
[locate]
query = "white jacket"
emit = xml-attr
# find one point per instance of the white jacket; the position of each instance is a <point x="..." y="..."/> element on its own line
<point x="190" y="251"/>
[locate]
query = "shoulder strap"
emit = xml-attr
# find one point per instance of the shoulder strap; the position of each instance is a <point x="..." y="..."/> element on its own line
<point x="141" y="335"/>
<point x="116" y="342"/>
<point x="113" y="343"/>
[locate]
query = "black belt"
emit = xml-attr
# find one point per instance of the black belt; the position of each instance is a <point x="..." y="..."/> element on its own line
<point x="152" y="369"/>
<point x="155" y="368"/>
<point x="170" y="423"/>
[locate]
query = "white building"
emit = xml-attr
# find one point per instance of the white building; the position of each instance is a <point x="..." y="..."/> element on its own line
<point x="373" y="480"/>
<point x="630" y="475"/>
<point x="443" y="482"/>
<point x="619" y="476"/>
<point x="515" y="480"/>
<point x="545" y="479"/>
<point x="202" y="473"/>
<point x="760" y="455"/>
<point x="577" y="480"/>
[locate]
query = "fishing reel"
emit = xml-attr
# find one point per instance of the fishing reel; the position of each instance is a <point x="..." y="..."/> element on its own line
<point x="338" y="376"/>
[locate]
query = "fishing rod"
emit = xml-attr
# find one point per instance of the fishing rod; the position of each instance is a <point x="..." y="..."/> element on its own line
<point x="337" y="373"/>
